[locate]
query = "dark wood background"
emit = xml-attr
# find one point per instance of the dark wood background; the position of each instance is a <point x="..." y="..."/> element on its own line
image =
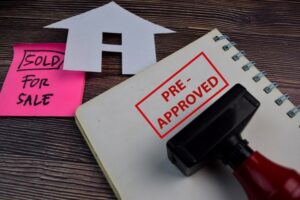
<point x="47" y="158"/>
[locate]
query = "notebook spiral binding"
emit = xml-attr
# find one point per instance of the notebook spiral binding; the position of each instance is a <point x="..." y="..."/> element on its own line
<point x="268" y="89"/>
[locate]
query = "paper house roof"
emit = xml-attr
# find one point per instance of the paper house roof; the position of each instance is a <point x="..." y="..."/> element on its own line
<point x="112" y="17"/>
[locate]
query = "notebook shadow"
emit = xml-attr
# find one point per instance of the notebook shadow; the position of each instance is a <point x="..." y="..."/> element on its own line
<point x="221" y="177"/>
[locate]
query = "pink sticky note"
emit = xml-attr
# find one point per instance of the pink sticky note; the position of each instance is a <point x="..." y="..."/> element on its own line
<point x="37" y="85"/>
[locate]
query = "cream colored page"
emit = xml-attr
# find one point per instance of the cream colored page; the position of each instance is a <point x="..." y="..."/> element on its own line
<point x="135" y="157"/>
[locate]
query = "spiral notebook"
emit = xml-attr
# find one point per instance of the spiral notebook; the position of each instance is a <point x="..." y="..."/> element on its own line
<point x="128" y="126"/>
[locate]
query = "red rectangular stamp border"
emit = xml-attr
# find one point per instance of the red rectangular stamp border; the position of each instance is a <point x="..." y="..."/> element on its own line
<point x="161" y="136"/>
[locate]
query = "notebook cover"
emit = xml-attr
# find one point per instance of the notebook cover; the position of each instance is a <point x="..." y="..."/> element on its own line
<point x="128" y="126"/>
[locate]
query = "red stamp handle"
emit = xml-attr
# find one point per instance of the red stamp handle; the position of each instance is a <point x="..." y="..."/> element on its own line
<point x="262" y="179"/>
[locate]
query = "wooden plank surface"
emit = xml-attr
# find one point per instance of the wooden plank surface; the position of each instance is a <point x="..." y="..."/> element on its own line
<point x="47" y="158"/>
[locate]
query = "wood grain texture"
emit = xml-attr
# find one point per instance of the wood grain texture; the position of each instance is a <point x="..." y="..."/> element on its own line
<point x="47" y="158"/>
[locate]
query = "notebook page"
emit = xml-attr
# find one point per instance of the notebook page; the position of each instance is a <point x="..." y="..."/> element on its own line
<point x="122" y="128"/>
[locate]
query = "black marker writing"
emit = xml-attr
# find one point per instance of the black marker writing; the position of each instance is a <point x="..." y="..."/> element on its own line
<point x="41" y="60"/>
<point x="27" y="61"/>
<point x="32" y="81"/>
<point x="34" y="100"/>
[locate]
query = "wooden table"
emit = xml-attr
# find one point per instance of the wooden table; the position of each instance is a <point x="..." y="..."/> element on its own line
<point x="47" y="158"/>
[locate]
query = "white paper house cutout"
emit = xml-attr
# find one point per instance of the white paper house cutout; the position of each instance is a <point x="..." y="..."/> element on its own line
<point x="84" y="42"/>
